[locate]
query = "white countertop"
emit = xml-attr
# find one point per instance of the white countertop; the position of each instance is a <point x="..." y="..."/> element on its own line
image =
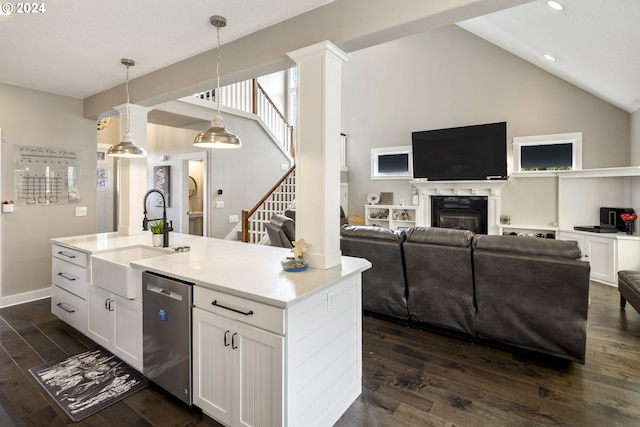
<point x="242" y="269"/>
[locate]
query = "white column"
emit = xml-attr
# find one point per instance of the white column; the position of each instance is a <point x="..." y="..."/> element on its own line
<point x="318" y="151"/>
<point x="132" y="172"/>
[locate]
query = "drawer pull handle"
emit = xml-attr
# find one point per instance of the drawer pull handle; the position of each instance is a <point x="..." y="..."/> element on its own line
<point x="66" y="309"/>
<point x="67" y="254"/>
<point x="226" y="343"/>
<point x="67" y="276"/>
<point x="246" y="313"/>
<point x="233" y="341"/>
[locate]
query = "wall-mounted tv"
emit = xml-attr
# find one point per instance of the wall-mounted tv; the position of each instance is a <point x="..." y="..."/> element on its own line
<point x="477" y="152"/>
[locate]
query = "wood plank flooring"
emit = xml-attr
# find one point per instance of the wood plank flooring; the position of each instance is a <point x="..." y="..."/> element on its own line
<point x="411" y="377"/>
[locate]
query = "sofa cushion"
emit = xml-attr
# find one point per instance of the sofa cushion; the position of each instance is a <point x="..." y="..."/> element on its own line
<point x="371" y="232"/>
<point x="440" y="278"/>
<point x="531" y="293"/>
<point x="440" y="236"/>
<point x="528" y="246"/>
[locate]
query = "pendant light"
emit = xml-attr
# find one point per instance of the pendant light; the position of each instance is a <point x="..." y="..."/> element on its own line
<point x="127" y="148"/>
<point x="217" y="136"/>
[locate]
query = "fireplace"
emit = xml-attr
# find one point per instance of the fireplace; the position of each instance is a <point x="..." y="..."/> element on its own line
<point x="460" y="212"/>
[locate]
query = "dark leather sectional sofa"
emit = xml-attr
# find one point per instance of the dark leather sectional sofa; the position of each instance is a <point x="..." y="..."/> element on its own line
<point x="528" y="293"/>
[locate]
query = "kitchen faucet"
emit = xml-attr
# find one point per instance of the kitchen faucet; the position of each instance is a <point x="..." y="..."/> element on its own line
<point x="166" y="228"/>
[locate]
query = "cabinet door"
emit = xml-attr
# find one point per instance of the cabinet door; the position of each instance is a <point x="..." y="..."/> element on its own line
<point x="258" y="377"/>
<point x="127" y="334"/>
<point x="602" y="258"/>
<point x="212" y="365"/>
<point x="100" y="308"/>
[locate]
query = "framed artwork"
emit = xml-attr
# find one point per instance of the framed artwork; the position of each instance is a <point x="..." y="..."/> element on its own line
<point x="102" y="178"/>
<point x="386" y="198"/>
<point x="161" y="179"/>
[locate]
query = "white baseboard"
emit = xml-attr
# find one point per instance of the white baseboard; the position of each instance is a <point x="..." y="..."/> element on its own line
<point x="25" y="297"/>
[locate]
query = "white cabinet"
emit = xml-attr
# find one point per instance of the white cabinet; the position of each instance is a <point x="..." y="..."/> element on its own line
<point x="390" y="216"/>
<point x="606" y="253"/>
<point x="116" y="324"/>
<point x="237" y="367"/>
<point x="259" y="365"/>
<point x="69" y="276"/>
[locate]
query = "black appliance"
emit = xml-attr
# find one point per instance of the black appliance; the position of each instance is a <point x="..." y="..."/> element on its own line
<point x="477" y="152"/>
<point x="611" y="217"/>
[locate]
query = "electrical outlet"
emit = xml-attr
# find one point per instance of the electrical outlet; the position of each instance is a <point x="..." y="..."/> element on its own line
<point x="234" y="219"/>
<point x="329" y="301"/>
<point x="81" y="211"/>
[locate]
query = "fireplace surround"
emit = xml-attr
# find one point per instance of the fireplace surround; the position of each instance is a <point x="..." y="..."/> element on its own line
<point x="460" y="212"/>
<point x="489" y="189"/>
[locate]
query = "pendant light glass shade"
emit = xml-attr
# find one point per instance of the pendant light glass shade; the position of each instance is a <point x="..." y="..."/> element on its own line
<point x="217" y="136"/>
<point x="127" y="148"/>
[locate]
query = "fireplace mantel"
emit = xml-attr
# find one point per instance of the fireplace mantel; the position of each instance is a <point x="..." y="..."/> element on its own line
<point x="459" y="188"/>
<point x="490" y="188"/>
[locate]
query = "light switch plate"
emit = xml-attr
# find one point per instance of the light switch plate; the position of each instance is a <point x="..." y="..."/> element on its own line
<point x="81" y="211"/>
<point x="220" y="204"/>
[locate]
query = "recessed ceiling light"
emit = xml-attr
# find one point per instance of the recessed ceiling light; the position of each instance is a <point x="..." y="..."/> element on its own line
<point x="556" y="5"/>
<point x="549" y="57"/>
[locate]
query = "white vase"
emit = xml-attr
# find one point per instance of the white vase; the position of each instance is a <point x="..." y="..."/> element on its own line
<point x="157" y="239"/>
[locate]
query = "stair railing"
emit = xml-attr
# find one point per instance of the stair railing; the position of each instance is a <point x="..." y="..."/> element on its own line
<point x="279" y="198"/>
<point x="250" y="97"/>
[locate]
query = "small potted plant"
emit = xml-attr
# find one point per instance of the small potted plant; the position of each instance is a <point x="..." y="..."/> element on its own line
<point x="296" y="262"/>
<point x="628" y="219"/>
<point x="157" y="231"/>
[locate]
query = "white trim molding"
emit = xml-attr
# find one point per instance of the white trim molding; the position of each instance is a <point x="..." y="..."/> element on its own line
<point x="573" y="138"/>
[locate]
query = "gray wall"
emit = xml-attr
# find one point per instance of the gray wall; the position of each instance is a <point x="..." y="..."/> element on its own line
<point x="449" y="77"/>
<point x="635" y="137"/>
<point x="35" y="118"/>
<point x="243" y="175"/>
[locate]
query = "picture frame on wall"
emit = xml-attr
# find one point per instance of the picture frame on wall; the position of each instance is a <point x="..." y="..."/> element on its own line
<point x="386" y="198"/>
<point x="161" y="180"/>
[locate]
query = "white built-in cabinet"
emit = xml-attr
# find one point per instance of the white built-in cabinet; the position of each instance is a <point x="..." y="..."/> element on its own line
<point x="236" y="369"/>
<point x="581" y="194"/>
<point x="390" y="216"/>
<point x="112" y="321"/>
<point x="259" y="365"/>
<point x="237" y="365"/>
<point x="606" y="253"/>
<point x="70" y="273"/>
<point x="115" y="323"/>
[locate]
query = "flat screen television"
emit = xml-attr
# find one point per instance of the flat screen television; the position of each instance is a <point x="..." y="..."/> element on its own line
<point x="477" y="152"/>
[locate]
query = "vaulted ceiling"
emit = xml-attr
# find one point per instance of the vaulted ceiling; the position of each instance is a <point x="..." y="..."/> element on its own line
<point x="74" y="47"/>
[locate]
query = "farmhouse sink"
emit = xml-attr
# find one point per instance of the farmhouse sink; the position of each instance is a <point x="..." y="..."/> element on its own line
<point x="112" y="270"/>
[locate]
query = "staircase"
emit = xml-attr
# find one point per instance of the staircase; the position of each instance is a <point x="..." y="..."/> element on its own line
<point x="250" y="97"/>
<point x="278" y="199"/>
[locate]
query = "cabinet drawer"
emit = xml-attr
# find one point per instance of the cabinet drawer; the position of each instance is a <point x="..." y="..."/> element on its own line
<point x="69" y="308"/>
<point x="71" y="255"/>
<point x="253" y="313"/>
<point x="70" y="277"/>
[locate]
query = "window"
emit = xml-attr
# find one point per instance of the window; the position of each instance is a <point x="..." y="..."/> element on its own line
<point x="547" y="153"/>
<point x="391" y="163"/>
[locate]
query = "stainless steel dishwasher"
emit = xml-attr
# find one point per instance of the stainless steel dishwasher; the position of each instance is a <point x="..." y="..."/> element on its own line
<point x="166" y="331"/>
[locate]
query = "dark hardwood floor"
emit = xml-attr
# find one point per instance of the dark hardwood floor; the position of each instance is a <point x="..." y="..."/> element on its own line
<point x="411" y="377"/>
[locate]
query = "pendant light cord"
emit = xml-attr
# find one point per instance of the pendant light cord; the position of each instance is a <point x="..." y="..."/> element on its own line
<point x="127" y="130"/>
<point x="218" y="68"/>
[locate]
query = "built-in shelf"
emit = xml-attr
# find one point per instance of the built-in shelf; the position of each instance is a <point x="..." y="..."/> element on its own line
<point x="584" y="173"/>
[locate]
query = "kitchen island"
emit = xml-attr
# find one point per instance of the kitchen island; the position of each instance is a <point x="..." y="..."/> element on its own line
<point x="269" y="347"/>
